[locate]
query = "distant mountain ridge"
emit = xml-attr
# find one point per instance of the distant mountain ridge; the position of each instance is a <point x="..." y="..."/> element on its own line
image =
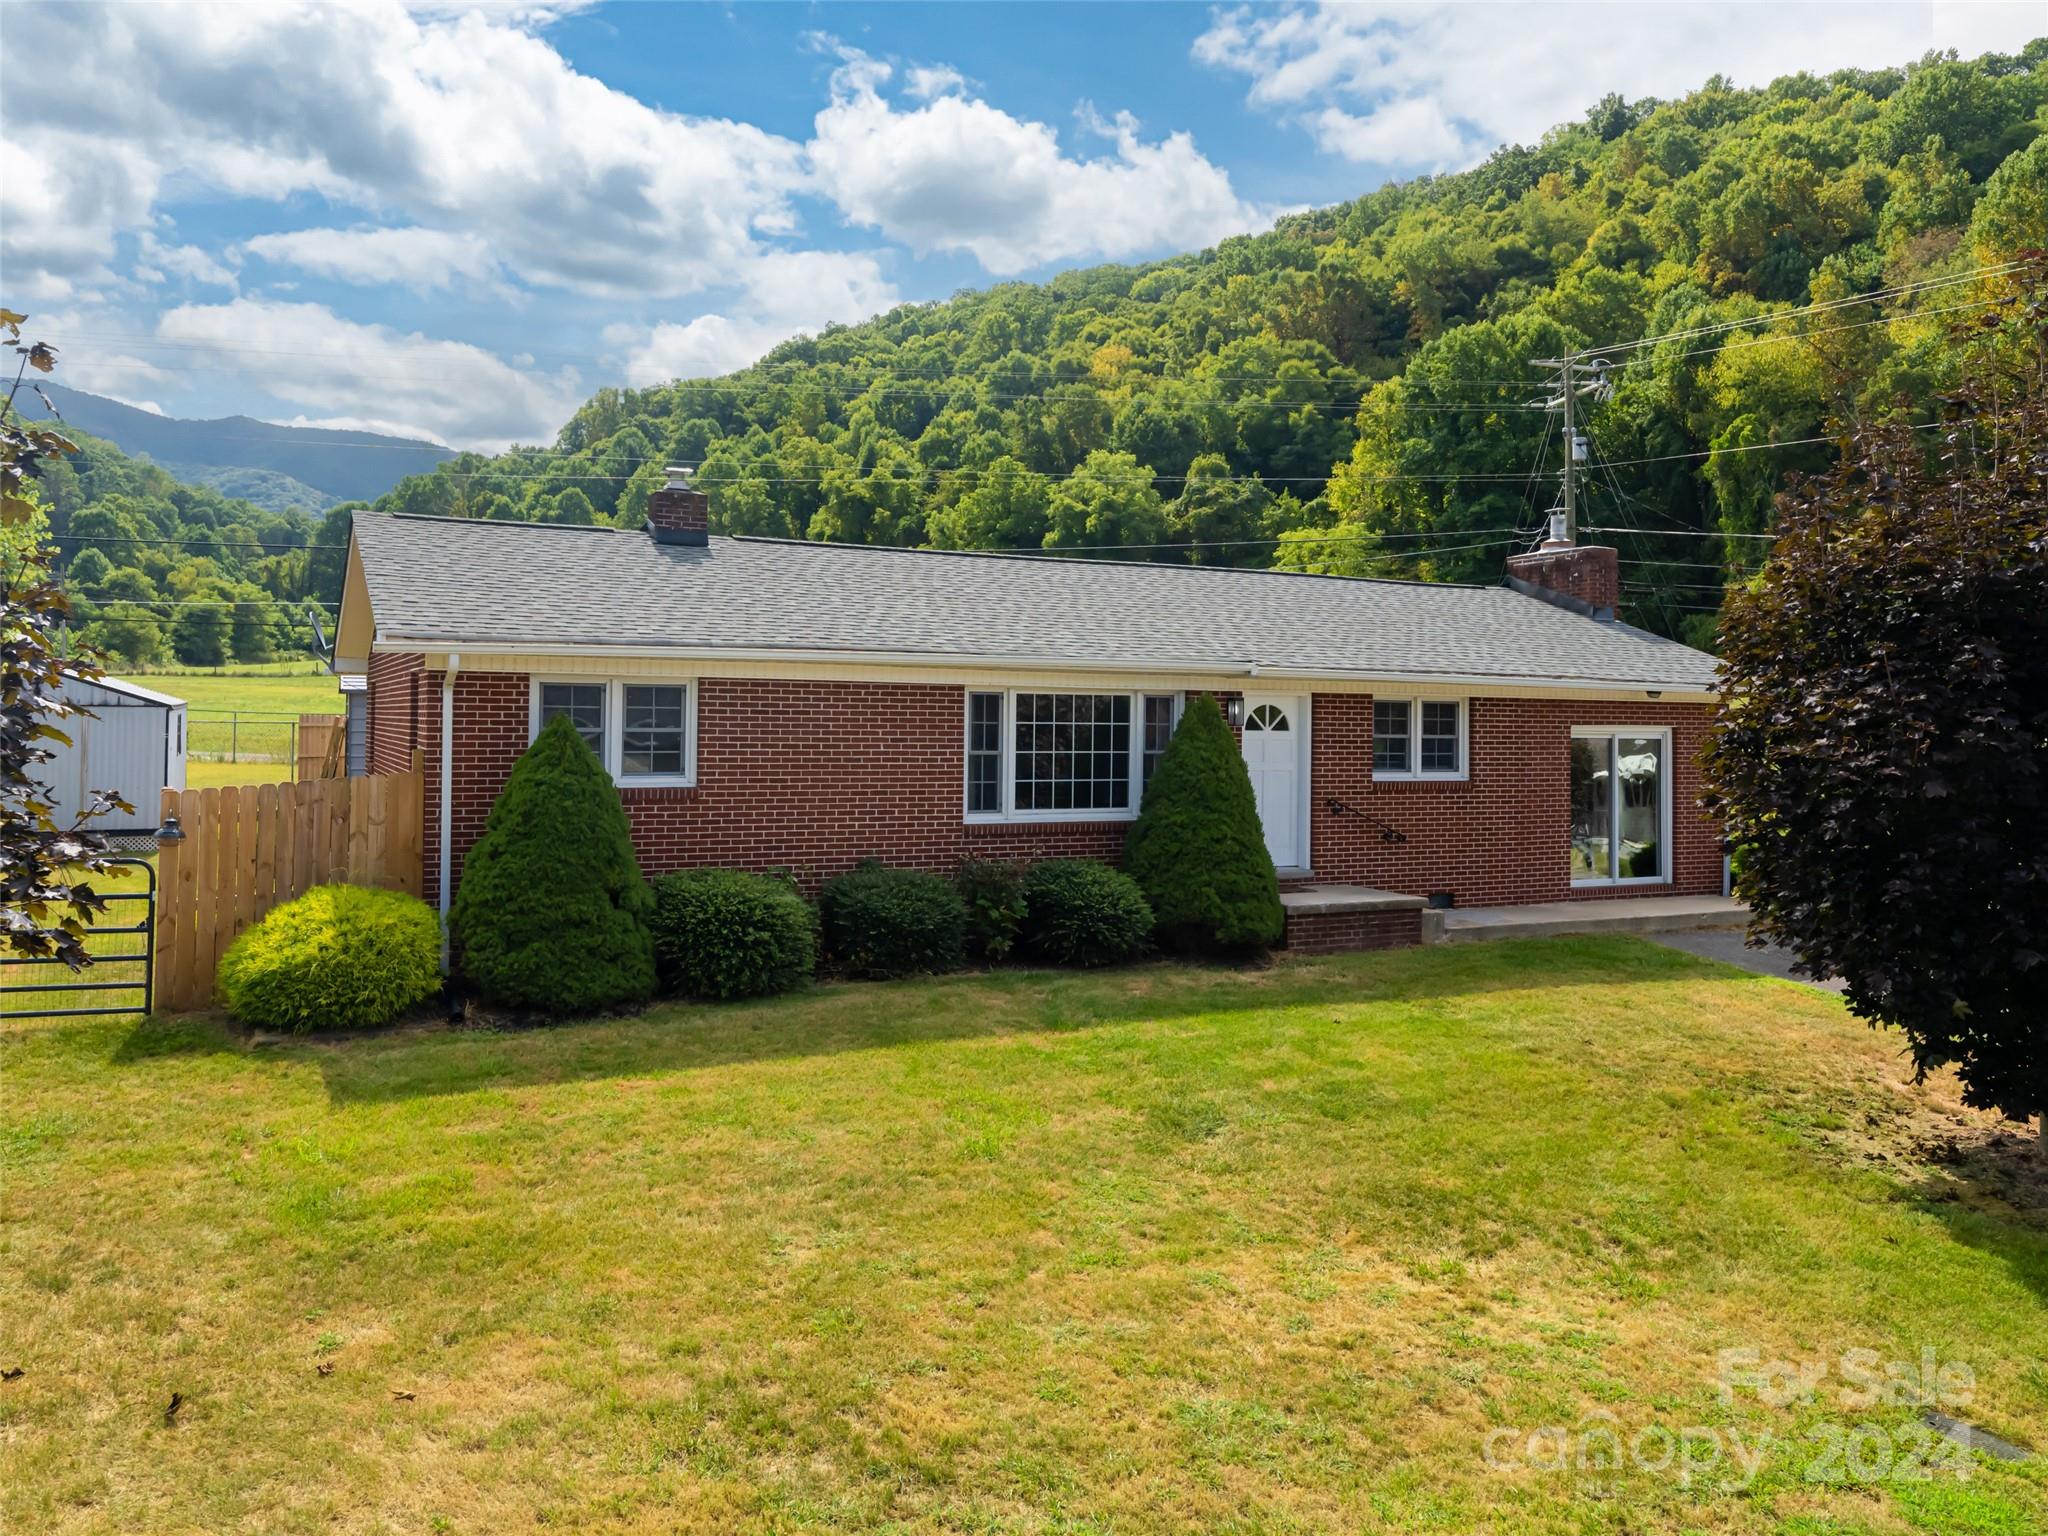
<point x="337" y="465"/>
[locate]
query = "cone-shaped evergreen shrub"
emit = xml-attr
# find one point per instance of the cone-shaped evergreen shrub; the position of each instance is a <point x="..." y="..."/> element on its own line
<point x="552" y="913"/>
<point x="1197" y="850"/>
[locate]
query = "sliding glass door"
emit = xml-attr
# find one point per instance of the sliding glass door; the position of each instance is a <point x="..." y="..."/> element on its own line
<point x="1621" y="806"/>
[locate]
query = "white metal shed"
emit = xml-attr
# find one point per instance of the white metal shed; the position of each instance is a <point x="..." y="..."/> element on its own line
<point x="134" y="744"/>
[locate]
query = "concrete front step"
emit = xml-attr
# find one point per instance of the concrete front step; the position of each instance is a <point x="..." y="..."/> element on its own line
<point x="1329" y="919"/>
<point x="1621" y="914"/>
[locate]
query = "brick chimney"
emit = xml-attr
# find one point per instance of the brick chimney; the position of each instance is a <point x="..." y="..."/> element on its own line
<point x="1583" y="577"/>
<point x="678" y="513"/>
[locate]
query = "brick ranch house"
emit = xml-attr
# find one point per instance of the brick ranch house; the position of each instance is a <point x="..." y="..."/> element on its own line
<point x="765" y="703"/>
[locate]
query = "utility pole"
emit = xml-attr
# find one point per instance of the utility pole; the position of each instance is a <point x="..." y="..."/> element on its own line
<point x="1571" y="384"/>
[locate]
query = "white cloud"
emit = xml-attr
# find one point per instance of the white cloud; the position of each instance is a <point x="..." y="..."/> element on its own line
<point x="470" y="124"/>
<point x="788" y="293"/>
<point x="338" y="371"/>
<point x="1415" y="87"/>
<point x="188" y="261"/>
<point x="1412" y="132"/>
<point x="928" y="81"/>
<point x="413" y="258"/>
<point x="957" y="174"/>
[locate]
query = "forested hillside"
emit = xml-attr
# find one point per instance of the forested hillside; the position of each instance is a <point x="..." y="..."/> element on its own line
<point x="1352" y="390"/>
<point x="163" y="571"/>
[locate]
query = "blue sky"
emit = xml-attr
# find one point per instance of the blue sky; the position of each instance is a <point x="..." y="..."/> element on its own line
<point x="459" y="220"/>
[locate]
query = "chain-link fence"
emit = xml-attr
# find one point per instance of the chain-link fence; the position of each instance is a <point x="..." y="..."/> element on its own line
<point x="235" y="736"/>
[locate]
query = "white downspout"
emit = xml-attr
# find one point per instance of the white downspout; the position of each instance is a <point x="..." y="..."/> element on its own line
<point x="447" y="791"/>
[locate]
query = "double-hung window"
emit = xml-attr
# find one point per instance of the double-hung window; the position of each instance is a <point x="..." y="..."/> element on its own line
<point x="1418" y="739"/>
<point x="643" y="733"/>
<point x="1054" y="755"/>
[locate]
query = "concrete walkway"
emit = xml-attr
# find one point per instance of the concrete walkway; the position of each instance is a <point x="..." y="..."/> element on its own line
<point x="1622" y="914"/>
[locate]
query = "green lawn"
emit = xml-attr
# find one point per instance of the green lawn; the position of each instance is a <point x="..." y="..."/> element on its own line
<point x="1161" y="1250"/>
<point x="278" y="688"/>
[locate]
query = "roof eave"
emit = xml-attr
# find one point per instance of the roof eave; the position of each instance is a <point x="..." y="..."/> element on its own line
<point x="1251" y="671"/>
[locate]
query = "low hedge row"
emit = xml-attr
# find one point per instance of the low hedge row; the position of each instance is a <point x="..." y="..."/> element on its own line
<point x="346" y="957"/>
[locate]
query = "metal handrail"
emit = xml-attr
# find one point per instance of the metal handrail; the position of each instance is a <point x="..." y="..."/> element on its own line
<point x="1388" y="832"/>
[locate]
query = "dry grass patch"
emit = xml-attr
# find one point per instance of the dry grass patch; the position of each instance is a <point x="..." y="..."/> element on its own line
<point x="1157" y="1250"/>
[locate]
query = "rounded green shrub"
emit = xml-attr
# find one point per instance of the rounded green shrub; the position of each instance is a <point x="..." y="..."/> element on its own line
<point x="723" y="933"/>
<point x="892" y="922"/>
<point x="1079" y="912"/>
<point x="552" y="913"/>
<point x="1197" y="849"/>
<point x="339" y="957"/>
<point x="994" y="892"/>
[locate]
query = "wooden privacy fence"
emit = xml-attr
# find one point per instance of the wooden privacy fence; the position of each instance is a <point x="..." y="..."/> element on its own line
<point x="248" y="848"/>
<point x="320" y="747"/>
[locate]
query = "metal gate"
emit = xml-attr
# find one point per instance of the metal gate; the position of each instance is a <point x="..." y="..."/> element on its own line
<point x="10" y="990"/>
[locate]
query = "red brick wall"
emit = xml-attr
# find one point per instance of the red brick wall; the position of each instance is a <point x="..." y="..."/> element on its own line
<point x="815" y="776"/>
<point x="394" y="711"/>
<point x="1503" y="835"/>
<point x="1333" y="933"/>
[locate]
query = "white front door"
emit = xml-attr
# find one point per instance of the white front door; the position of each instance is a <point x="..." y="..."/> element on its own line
<point x="1275" y="759"/>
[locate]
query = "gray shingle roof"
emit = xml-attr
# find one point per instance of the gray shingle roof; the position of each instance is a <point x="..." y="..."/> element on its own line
<point x="453" y="581"/>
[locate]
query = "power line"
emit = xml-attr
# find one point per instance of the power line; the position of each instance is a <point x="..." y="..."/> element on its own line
<point x="1826" y="330"/>
<point x="1824" y="306"/>
<point x="288" y="605"/>
<point x="223" y="542"/>
<point x="1683" y="533"/>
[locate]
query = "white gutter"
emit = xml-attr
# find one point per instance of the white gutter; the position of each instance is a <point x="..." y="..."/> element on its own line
<point x="1477" y="682"/>
<point x="447" y="790"/>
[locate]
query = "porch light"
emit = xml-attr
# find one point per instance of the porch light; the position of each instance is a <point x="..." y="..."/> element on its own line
<point x="1233" y="711"/>
<point x="170" y="832"/>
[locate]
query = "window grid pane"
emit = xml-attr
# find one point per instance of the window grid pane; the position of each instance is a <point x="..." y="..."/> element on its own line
<point x="984" y="753"/>
<point x="1439" y="738"/>
<point x="1073" y="752"/>
<point x="1390" y="736"/>
<point x="1158" y="732"/>
<point x="654" y="738"/>
<point x="583" y="703"/>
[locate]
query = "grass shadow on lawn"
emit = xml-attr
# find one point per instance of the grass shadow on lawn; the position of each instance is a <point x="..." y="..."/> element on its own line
<point x="862" y="1016"/>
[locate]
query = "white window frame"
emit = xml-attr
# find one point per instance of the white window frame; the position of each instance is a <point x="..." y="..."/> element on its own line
<point x="1664" y="797"/>
<point x="1415" y="770"/>
<point x="1006" y="763"/>
<point x="613" y="754"/>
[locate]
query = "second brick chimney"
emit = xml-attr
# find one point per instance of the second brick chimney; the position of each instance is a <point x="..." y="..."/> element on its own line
<point x="678" y="513"/>
<point x="1585" y="576"/>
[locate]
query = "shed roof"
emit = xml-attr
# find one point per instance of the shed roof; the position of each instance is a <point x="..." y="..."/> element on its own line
<point x="442" y="583"/>
<point x="121" y="687"/>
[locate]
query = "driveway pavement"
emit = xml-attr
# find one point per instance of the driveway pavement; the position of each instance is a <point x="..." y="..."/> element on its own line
<point x="1726" y="946"/>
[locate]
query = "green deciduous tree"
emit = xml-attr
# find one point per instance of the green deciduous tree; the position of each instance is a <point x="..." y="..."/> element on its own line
<point x="1006" y="509"/>
<point x="1108" y="501"/>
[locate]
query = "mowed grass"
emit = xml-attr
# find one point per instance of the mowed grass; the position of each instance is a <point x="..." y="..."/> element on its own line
<point x="200" y="774"/>
<point x="1167" y="1249"/>
<point x="279" y="688"/>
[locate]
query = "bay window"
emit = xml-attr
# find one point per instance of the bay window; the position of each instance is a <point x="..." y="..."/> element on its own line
<point x="1046" y="755"/>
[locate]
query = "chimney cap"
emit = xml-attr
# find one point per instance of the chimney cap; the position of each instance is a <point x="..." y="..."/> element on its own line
<point x="679" y="476"/>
